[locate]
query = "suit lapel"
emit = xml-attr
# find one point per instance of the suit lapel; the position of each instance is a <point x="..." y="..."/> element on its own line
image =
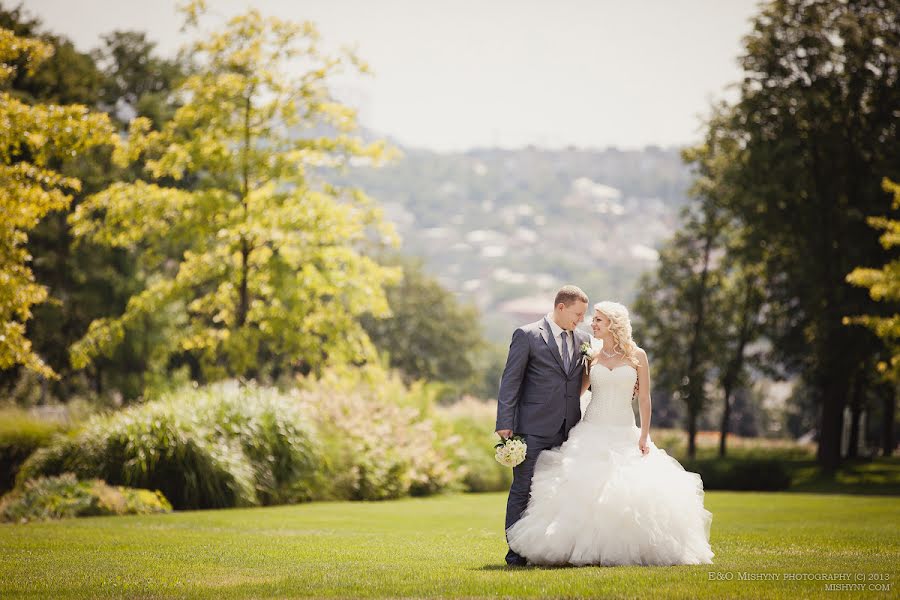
<point x="576" y="359"/>
<point x="547" y="334"/>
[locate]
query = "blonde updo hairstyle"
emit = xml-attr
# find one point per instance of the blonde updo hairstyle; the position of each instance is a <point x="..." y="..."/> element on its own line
<point x="620" y="329"/>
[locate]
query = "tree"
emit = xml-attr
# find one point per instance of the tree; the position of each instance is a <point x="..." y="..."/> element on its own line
<point x="673" y="312"/>
<point x="271" y="270"/>
<point x="64" y="76"/>
<point x="429" y="335"/>
<point x="738" y="323"/>
<point x="815" y="125"/>
<point x="136" y="82"/>
<point x="884" y="287"/>
<point x="90" y="281"/>
<point x="32" y="139"/>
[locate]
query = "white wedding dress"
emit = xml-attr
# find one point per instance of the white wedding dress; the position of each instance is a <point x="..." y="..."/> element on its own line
<point x="597" y="500"/>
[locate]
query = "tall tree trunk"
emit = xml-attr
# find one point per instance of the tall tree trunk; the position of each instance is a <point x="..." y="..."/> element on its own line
<point x="856" y="407"/>
<point x="831" y="425"/>
<point x="726" y="416"/>
<point x="831" y="338"/>
<point x="692" y="434"/>
<point x="889" y="406"/>
<point x="694" y="387"/>
<point x="737" y="361"/>
<point x="243" y="298"/>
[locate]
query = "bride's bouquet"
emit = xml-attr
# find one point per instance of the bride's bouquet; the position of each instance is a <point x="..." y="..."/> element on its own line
<point x="511" y="451"/>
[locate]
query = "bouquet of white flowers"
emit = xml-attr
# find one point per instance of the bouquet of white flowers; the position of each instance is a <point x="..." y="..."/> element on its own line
<point x="511" y="451"/>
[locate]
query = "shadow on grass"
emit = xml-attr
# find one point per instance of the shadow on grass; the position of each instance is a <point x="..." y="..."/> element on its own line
<point x="862" y="476"/>
<point x="528" y="567"/>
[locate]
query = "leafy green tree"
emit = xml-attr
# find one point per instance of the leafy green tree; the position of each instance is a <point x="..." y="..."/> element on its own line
<point x="815" y="128"/>
<point x="884" y="287"/>
<point x="63" y="76"/>
<point x="136" y="82"/>
<point x="672" y="311"/>
<point x="32" y="139"/>
<point x="737" y="322"/>
<point x="274" y="269"/>
<point x="89" y="281"/>
<point x="429" y="335"/>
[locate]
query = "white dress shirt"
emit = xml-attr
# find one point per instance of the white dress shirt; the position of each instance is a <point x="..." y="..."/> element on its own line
<point x="557" y="335"/>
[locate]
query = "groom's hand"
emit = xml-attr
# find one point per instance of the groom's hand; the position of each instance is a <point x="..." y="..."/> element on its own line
<point x="504" y="433"/>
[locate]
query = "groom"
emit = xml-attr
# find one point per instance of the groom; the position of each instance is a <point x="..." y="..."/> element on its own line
<point x="539" y="396"/>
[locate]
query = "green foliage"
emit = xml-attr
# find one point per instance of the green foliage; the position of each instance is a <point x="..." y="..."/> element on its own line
<point x="32" y="139"/>
<point x="884" y="286"/>
<point x="798" y="162"/>
<point x="741" y="474"/>
<point x="135" y="76"/>
<point x="20" y="435"/>
<point x="270" y="269"/>
<point x="383" y="439"/>
<point x="152" y="446"/>
<point x="362" y="437"/>
<point x="472" y="422"/>
<point x="61" y="76"/>
<point x="92" y="281"/>
<point x="204" y="448"/>
<point x="676" y="313"/>
<point x="272" y="429"/>
<point x="64" y="496"/>
<point x="429" y="334"/>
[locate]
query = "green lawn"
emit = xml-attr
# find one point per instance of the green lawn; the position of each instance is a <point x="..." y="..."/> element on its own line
<point x="448" y="546"/>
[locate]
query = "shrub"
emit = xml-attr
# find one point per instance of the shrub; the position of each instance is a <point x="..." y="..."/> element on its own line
<point x="151" y="446"/>
<point x="741" y="474"/>
<point x="65" y="496"/>
<point x="473" y="420"/>
<point x="275" y="433"/>
<point x="360" y="435"/>
<point x="378" y="437"/>
<point x="20" y="435"/>
<point x="214" y="447"/>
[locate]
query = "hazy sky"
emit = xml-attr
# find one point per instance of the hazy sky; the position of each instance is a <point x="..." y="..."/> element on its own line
<point x="451" y="75"/>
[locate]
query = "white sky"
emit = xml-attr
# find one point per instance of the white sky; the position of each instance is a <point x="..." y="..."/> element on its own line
<point x="455" y="74"/>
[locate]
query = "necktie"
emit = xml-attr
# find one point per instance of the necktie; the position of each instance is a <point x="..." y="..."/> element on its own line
<point x="565" y="348"/>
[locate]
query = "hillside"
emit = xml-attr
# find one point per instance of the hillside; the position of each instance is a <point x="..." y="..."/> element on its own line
<point x="504" y="228"/>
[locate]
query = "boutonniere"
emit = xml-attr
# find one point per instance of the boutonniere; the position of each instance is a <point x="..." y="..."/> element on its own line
<point x="588" y="350"/>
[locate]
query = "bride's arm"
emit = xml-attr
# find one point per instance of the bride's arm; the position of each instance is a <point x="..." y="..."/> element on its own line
<point x="644" y="403"/>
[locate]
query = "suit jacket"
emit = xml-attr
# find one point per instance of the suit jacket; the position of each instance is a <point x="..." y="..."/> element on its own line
<point x="536" y="393"/>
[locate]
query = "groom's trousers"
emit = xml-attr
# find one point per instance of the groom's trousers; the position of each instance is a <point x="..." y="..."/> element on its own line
<point x="520" y="490"/>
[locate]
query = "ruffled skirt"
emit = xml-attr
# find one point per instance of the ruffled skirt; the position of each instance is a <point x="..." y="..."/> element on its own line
<point x="597" y="500"/>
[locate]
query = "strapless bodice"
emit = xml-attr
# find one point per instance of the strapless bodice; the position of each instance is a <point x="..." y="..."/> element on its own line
<point x="611" y="394"/>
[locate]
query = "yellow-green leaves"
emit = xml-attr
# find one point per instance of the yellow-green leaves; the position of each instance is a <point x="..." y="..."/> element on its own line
<point x="250" y="247"/>
<point x="884" y="286"/>
<point x="32" y="137"/>
<point x="13" y="48"/>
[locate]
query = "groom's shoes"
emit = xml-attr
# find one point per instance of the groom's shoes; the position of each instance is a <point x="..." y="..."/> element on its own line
<point x="515" y="560"/>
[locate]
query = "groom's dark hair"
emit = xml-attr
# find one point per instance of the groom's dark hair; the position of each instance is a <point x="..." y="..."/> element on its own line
<point x="568" y="294"/>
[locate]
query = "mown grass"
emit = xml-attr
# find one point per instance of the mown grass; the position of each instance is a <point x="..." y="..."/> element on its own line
<point x="444" y="546"/>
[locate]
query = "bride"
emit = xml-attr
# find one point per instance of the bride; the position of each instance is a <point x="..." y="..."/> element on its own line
<point x="608" y="495"/>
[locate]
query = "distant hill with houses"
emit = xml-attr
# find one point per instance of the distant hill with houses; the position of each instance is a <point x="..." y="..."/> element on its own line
<point x="504" y="229"/>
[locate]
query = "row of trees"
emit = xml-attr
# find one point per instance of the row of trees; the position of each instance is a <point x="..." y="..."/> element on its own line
<point x="209" y="240"/>
<point x="777" y="269"/>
